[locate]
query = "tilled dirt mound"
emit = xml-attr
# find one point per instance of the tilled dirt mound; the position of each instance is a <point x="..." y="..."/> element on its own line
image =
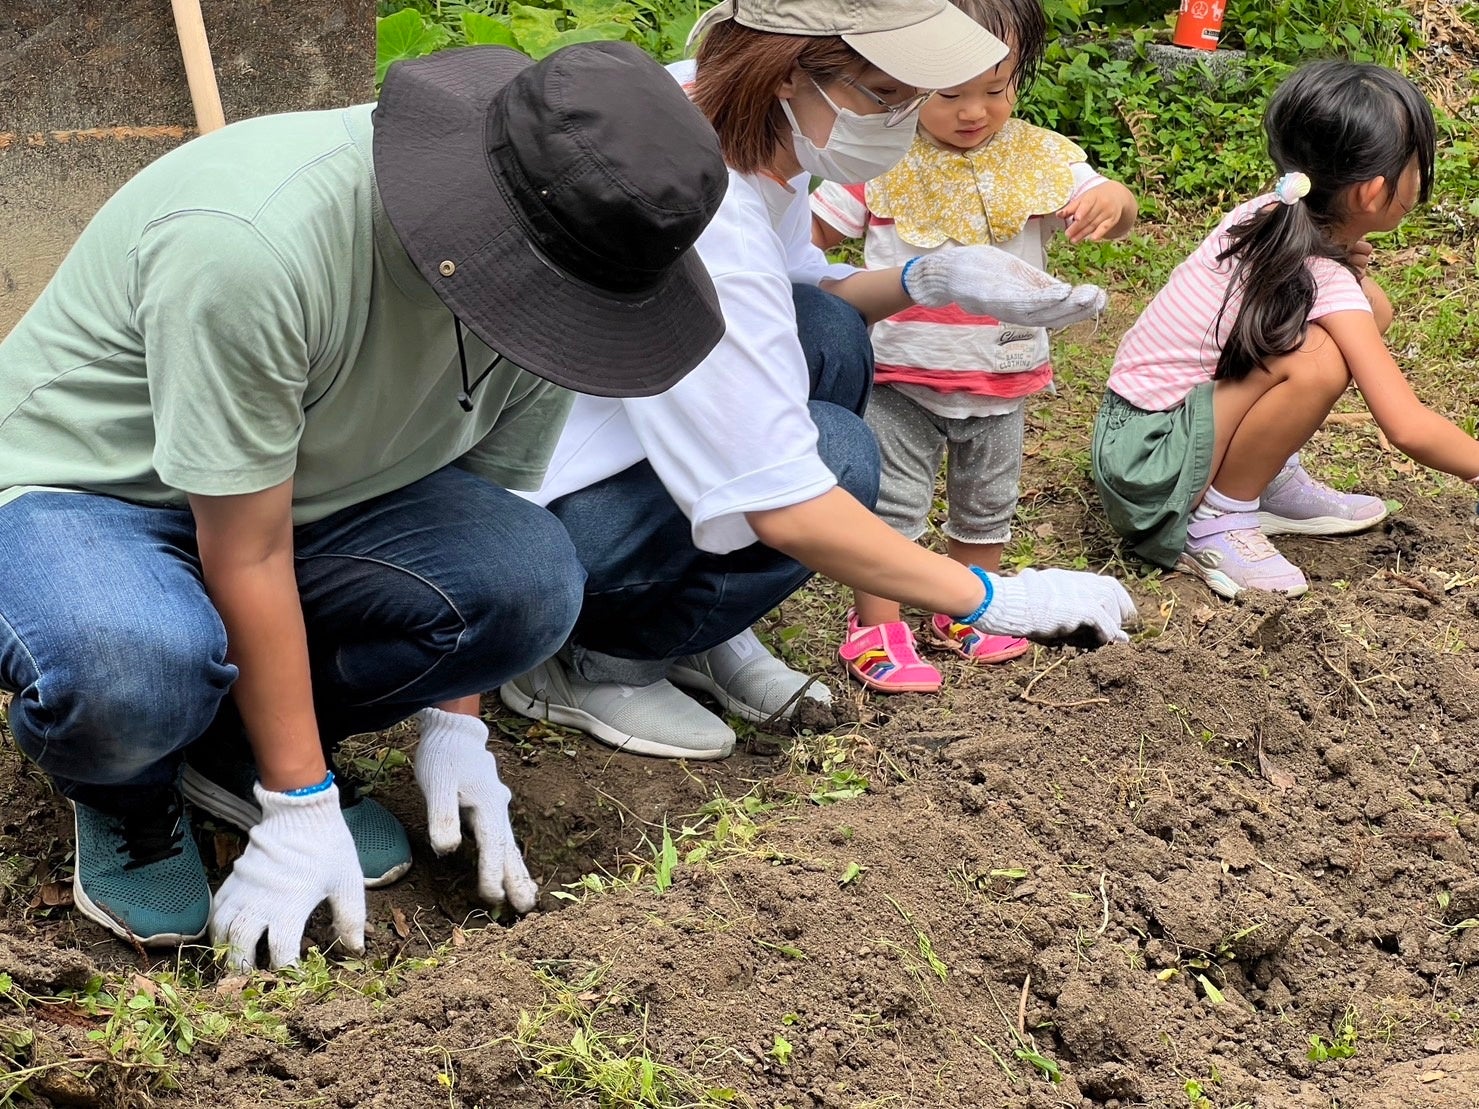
<point x="1153" y="872"/>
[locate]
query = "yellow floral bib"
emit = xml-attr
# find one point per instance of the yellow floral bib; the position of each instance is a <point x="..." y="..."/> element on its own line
<point x="984" y="195"/>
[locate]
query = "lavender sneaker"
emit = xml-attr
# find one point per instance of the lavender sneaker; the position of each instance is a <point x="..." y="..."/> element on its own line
<point x="1230" y="554"/>
<point x="1296" y="504"/>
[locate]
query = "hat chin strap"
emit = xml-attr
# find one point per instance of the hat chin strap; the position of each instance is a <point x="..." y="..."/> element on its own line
<point x="464" y="398"/>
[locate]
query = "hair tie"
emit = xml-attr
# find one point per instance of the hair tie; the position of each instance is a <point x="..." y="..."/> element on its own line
<point x="1292" y="187"/>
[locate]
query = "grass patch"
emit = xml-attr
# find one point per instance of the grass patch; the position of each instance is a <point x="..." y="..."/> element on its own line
<point x="589" y="1041"/>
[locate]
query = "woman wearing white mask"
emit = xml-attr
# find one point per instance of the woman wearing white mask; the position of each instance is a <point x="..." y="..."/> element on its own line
<point x="696" y="511"/>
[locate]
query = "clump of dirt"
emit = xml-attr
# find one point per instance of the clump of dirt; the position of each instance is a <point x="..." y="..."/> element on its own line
<point x="1085" y="879"/>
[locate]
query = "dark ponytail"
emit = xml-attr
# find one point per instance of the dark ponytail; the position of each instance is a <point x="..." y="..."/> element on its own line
<point x="1342" y="124"/>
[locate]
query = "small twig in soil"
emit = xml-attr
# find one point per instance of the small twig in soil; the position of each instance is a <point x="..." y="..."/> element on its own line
<point x="144" y="959"/>
<point x="1419" y="587"/>
<point x="1273" y="870"/>
<point x="1022" y="1007"/>
<point x="1104" y="897"/>
<point x="1339" y="418"/>
<point x="623" y="813"/>
<point x="1026" y="694"/>
<point x="1350" y="681"/>
<point x="769" y="723"/>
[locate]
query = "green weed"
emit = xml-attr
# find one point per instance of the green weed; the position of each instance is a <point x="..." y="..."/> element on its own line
<point x="570" y="1045"/>
<point x="1340" y="1046"/>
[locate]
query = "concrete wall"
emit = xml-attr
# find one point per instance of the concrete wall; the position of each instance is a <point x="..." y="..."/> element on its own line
<point x="90" y="92"/>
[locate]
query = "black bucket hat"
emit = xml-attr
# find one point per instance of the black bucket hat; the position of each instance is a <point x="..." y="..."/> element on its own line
<point x="553" y="206"/>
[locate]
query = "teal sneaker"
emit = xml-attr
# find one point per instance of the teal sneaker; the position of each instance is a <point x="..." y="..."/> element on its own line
<point x="225" y="791"/>
<point x="140" y="875"/>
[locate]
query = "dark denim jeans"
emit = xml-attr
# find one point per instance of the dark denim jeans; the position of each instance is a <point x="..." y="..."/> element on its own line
<point x="117" y="658"/>
<point x="650" y="594"/>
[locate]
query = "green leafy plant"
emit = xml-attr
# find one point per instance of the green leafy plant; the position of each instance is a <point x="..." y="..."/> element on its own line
<point x="1341" y="1046"/>
<point x="780" y="1050"/>
<point x="411" y="28"/>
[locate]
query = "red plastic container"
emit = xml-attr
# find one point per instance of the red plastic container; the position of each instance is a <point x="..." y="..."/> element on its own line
<point x="1198" y="24"/>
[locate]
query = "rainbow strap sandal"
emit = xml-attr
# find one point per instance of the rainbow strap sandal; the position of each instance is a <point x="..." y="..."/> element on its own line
<point x="884" y="657"/>
<point x="974" y="645"/>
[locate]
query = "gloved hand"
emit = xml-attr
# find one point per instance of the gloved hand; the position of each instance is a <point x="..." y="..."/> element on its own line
<point x="990" y="282"/>
<point x="455" y="770"/>
<point x="300" y="853"/>
<point x="1059" y="606"/>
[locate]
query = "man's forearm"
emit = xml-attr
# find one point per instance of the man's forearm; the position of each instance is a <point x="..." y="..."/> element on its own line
<point x="267" y="642"/>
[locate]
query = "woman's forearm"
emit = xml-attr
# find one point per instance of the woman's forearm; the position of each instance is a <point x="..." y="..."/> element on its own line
<point x="877" y="294"/>
<point x="837" y="536"/>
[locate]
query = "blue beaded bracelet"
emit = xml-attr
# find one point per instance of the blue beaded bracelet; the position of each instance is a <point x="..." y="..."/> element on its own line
<point x="309" y="791"/>
<point x="904" y="275"/>
<point x="990" y="592"/>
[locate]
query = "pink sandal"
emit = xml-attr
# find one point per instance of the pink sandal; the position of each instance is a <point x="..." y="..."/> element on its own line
<point x="973" y="645"/>
<point x="884" y="657"/>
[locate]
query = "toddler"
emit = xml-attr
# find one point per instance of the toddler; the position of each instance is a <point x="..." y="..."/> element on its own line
<point x="950" y="383"/>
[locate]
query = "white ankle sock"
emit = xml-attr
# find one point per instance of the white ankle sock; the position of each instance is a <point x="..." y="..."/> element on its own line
<point x="1216" y="503"/>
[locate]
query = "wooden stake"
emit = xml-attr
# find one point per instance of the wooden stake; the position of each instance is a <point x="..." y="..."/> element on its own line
<point x="195" y="50"/>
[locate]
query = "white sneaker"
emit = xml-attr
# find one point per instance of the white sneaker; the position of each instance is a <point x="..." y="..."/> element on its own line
<point x="747" y="679"/>
<point x="654" y="719"/>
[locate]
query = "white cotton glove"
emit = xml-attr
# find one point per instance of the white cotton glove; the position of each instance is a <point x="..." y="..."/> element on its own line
<point x="987" y="281"/>
<point x="455" y="770"/>
<point x="299" y="854"/>
<point x="1060" y="606"/>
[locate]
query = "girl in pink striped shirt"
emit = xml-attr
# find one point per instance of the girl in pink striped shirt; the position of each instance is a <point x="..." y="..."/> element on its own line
<point x="1239" y="359"/>
<point x="947" y="379"/>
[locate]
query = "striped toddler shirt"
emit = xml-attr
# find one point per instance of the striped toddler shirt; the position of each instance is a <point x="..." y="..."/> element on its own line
<point x="1172" y="347"/>
<point x="952" y="362"/>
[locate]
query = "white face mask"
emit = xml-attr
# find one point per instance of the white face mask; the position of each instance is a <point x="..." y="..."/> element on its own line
<point x="858" y="149"/>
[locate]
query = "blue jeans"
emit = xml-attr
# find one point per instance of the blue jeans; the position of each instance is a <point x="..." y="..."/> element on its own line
<point x="650" y="594"/>
<point x="117" y="658"/>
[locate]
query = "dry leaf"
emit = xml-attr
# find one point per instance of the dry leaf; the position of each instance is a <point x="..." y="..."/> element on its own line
<point x="228" y="848"/>
<point x="459" y="937"/>
<point x="398" y="921"/>
<point x="1281" y="780"/>
<point x="232" y="985"/>
<point x="146" y="986"/>
<point x="1432" y="1076"/>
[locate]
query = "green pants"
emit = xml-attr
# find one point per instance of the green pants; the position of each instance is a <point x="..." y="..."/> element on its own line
<point x="1151" y="468"/>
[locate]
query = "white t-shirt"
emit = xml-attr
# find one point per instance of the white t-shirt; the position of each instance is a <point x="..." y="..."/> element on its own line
<point x="735" y="435"/>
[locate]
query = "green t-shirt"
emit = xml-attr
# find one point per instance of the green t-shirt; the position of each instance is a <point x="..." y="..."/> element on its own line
<point x="241" y="313"/>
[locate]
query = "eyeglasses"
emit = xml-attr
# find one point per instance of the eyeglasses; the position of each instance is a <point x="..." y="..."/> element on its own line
<point x="897" y="113"/>
<point x="464" y="398"/>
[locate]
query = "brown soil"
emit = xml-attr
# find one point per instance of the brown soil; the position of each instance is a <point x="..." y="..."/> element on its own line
<point x="1272" y="798"/>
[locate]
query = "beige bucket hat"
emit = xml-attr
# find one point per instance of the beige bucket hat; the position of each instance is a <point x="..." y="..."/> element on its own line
<point x="930" y="44"/>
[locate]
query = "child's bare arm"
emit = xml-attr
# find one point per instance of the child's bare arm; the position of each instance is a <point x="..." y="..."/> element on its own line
<point x="823" y="234"/>
<point x="1381" y="305"/>
<point x="1107" y="211"/>
<point x="1413" y="428"/>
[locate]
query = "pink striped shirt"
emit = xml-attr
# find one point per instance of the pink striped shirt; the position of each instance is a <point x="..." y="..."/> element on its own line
<point x="1172" y="348"/>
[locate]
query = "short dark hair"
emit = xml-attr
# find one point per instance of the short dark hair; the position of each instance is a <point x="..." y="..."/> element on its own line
<point x="1021" y="24"/>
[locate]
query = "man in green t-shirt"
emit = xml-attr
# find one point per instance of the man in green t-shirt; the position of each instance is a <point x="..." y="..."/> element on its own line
<point x="256" y="441"/>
